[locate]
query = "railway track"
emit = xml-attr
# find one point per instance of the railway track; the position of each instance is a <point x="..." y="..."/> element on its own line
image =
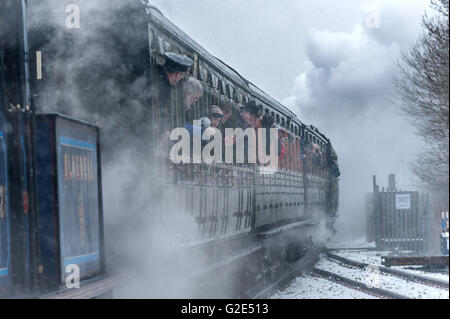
<point x="394" y="272"/>
<point x="353" y="284"/>
<point x="378" y="281"/>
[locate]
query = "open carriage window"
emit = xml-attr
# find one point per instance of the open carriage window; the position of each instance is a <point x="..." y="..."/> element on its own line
<point x="203" y="73"/>
<point x="235" y="96"/>
<point x="220" y="87"/>
<point x="229" y="91"/>
<point x="210" y="79"/>
<point x="215" y="81"/>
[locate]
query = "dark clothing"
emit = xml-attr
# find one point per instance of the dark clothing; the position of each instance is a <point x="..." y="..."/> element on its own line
<point x="164" y="87"/>
<point x="165" y="90"/>
<point x="189" y="115"/>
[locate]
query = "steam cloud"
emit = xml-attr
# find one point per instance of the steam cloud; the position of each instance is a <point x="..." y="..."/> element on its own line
<point x="346" y="89"/>
<point x="86" y="77"/>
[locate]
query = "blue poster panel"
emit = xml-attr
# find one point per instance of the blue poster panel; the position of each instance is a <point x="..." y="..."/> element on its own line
<point x="69" y="198"/>
<point x="78" y="197"/>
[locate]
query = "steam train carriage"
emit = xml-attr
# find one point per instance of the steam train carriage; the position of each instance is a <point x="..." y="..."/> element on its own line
<point x="106" y="71"/>
<point x="300" y="191"/>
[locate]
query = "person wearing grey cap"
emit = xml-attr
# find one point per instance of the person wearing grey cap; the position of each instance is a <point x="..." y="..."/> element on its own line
<point x="176" y="66"/>
<point x="173" y="70"/>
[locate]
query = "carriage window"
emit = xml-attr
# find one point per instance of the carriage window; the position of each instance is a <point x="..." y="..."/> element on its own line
<point x="162" y="46"/>
<point x="230" y="91"/>
<point x="220" y="86"/>
<point x="215" y="80"/>
<point x="203" y="73"/>
<point x="210" y="79"/>
<point x="239" y="97"/>
<point x="223" y="87"/>
<point x="168" y="47"/>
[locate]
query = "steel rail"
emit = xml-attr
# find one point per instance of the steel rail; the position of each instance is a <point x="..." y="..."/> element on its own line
<point x="395" y="272"/>
<point x="377" y="292"/>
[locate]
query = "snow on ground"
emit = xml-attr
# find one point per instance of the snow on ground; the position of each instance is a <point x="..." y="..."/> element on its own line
<point x="374" y="258"/>
<point x="384" y="281"/>
<point x="419" y="272"/>
<point x="351" y="243"/>
<point x="309" y="287"/>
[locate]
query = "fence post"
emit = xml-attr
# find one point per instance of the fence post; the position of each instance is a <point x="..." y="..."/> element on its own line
<point x="445" y="235"/>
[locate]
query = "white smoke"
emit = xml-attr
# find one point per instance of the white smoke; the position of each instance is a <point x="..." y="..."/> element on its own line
<point x="346" y="90"/>
<point x="144" y="224"/>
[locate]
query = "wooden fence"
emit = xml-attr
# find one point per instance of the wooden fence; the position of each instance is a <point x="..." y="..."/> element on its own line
<point x="400" y="220"/>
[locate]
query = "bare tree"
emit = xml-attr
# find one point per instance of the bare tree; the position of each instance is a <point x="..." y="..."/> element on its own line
<point x="423" y="87"/>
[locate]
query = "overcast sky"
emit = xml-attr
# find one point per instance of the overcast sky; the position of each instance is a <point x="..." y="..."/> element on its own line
<point x="331" y="62"/>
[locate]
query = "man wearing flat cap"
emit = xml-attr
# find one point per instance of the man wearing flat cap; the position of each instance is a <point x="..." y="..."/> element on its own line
<point x="170" y="74"/>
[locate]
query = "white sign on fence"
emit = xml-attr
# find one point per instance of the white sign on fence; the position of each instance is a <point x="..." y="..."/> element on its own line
<point x="403" y="201"/>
